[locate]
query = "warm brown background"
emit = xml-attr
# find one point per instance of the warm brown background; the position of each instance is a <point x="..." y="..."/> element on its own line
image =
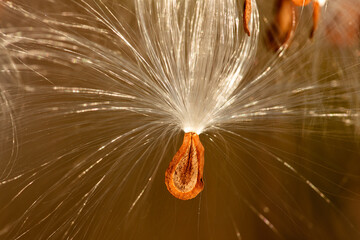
<point x="243" y="183"/>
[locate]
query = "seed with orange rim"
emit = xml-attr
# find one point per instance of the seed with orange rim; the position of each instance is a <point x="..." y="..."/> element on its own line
<point x="184" y="176"/>
<point x="247" y="16"/>
<point x="283" y="29"/>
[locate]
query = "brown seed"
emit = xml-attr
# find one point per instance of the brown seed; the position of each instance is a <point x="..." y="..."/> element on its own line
<point x="184" y="176"/>
<point x="246" y="16"/>
<point x="316" y="16"/>
<point x="286" y="19"/>
<point x="283" y="28"/>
